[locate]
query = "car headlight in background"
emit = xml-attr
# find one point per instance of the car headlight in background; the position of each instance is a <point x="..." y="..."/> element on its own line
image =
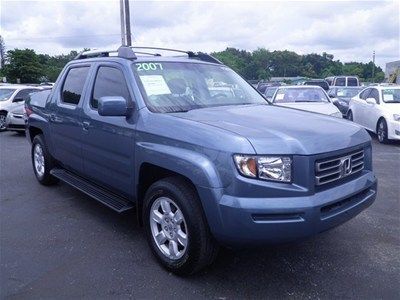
<point x="275" y="168"/>
<point x="396" y="117"/>
<point x="342" y="103"/>
<point x="337" y="114"/>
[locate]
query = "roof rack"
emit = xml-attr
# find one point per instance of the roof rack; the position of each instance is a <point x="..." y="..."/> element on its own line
<point x="130" y="53"/>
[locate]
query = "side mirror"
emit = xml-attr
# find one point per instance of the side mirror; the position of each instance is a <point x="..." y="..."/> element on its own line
<point x="370" y="101"/>
<point x="331" y="96"/>
<point x="18" y="100"/>
<point x="113" y="106"/>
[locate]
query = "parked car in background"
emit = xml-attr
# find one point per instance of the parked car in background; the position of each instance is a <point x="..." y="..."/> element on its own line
<point x="309" y="98"/>
<point x="341" y="97"/>
<point x="16" y="117"/>
<point x="319" y="82"/>
<point x="343" y="81"/>
<point x="269" y="92"/>
<point x="263" y="85"/>
<point x="378" y="110"/>
<point x="12" y="96"/>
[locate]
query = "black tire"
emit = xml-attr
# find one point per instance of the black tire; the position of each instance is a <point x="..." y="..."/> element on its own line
<point x="382" y="131"/>
<point x="45" y="178"/>
<point x="350" y="115"/>
<point x="3" y="116"/>
<point x="202" y="249"/>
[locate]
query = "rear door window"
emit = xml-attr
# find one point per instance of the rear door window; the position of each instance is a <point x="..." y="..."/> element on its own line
<point x="341" y="81"/>
<point x="110" y="81"/>
<point x="23" y="94"/>
<point x="352" y="81"/>
<point x="374" y="94"/>
<point x="364" y="95"/>
<point x="73" y="85"/>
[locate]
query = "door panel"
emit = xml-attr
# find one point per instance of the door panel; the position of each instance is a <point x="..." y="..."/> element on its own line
<point x="108" y="142"/>
<point x="372" y="110"/>
<point x="66" y="120"/>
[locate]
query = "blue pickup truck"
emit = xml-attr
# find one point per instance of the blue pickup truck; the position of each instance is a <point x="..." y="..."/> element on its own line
<point x="199" y="154"/>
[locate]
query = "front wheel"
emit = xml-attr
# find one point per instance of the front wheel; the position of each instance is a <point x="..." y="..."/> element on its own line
<point x="3" y="117"/>
<point x="176" y="228"/>
<point x="350" y="115"/>
<point x="382" y="131"/>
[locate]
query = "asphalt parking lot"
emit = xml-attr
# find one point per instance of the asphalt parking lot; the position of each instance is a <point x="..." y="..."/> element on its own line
<point x="57" y="243"/>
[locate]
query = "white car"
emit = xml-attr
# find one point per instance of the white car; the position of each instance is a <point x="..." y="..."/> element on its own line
<point x="10" y="97"/>
<point x="377" y="109"/>
<point x="306" y="97"/>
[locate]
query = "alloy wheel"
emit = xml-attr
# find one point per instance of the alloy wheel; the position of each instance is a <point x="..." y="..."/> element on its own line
<point x="168" y="228"/>
<point x="38" y="159"/>
<point x="2" y="122"/>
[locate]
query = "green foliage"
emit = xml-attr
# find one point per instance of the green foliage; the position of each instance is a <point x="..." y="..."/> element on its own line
<point x="261" y="63"/>
<point x="30" y="67"/>
<point x="23" y="64"/>
<point x="264" y="64"/>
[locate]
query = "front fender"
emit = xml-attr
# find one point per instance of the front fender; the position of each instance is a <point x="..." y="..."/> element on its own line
<point x="193" y="165"/>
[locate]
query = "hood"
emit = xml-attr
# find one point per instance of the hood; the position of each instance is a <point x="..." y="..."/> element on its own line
<point x="277" y="130"/>
<point x="325" y="108"/>
<point x="392" y="108"/>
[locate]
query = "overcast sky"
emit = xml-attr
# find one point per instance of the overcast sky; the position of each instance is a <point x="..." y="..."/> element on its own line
<point x="348" y="30"/>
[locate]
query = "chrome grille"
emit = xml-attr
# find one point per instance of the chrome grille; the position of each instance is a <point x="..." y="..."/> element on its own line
<point x="332" y="169"/>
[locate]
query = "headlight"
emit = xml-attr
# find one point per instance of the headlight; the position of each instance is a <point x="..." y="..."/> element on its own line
<point x="396" y="117"/>
<point x="337" y="115"/>
<point x="275" y="168"/>
<point x="343" y="103"/>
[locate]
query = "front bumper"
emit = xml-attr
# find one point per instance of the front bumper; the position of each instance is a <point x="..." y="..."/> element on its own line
<point x="15" y="122"/>
<point x="252" y="221"/>
<point x="394" y="130"/>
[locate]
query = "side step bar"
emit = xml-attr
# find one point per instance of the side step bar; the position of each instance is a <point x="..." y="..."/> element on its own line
<point x="111" y="200"/>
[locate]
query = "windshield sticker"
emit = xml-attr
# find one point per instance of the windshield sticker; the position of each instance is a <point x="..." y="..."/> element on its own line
<point x="148" y="66"/>
<point x="155" y="85"/>
<point x="388" y="97"/>
<point x="340" y="93"/>
<point x="279" y="96"/>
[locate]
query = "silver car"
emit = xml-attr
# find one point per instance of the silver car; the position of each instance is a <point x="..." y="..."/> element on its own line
<point x="12" y="96"/>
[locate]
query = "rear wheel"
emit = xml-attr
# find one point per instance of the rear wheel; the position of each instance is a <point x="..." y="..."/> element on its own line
<point x="382" y="131"/>
<point x="42" y="161"/>
<point x="176" y="228"/>
<point x="350" y="115"/>
<point x="3" y="117"/>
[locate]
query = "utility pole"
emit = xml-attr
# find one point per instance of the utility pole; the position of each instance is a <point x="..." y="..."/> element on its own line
<point x="373" y="66"/>
<point x="126" y="35"/>
<point x="128" y="24"/>
<point x="122" y="17"/>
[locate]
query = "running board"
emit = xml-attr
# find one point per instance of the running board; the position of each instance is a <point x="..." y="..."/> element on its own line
<point x="111" y="200"/>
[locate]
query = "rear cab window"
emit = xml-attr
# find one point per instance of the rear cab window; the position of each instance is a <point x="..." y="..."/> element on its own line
<point x="340" y="81"/>
<point x="352" y="81"/>
<point x="73" y="85"/>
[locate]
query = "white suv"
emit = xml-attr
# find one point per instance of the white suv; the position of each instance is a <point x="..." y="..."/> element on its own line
<point x="10" y="97"/>
<point x="377" y="108"/>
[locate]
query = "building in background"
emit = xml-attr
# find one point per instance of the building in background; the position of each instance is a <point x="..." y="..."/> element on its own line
<point x="392" y="72"/>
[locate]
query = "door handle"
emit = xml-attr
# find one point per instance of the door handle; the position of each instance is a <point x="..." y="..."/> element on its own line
<point x="52" y="117"/>
<point x="86" y="125"/>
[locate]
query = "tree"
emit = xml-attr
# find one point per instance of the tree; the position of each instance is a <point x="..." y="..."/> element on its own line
<point x="2" y="52"/>
<point x="23" y="65"/>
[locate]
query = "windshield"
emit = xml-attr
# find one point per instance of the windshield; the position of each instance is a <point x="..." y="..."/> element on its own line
<point x="269" y="92"/>
<point x="290" y="95"/>
<point x="5" y="94"/>
<point x="347" y="93"/>
<point x="391" y="95"/>
<point x="180" y="87"/>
